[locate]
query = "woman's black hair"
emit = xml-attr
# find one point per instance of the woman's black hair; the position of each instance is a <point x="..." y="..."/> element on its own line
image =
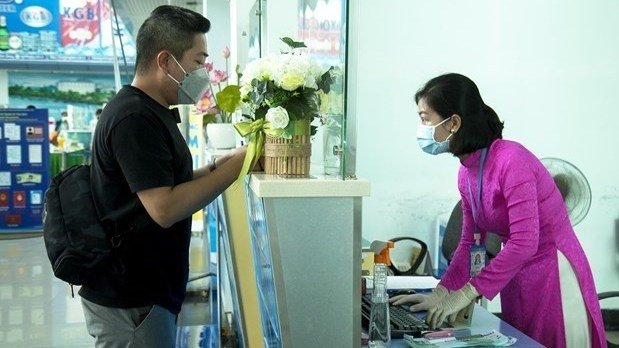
<point x="457" y="94"/>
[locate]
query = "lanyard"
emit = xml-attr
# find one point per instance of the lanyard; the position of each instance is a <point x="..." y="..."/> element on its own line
<point x="476" y="203"/>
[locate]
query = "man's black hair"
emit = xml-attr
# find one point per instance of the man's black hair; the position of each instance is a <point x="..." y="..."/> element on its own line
<point x="170" y="28"/>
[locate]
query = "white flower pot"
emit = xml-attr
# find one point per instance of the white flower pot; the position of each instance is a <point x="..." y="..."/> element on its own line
<point x="221" y="135"/>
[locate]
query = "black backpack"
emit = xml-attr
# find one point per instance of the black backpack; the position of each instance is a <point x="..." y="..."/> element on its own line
<point x="77" y="241"/>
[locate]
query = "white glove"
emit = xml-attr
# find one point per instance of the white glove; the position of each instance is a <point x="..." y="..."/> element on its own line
<point x="423" y="302"/>
<point x="462" y="315"/>
<point x="451" y="304"/>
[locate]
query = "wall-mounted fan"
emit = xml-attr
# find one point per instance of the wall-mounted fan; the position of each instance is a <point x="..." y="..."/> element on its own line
<point x="573" y="186"/>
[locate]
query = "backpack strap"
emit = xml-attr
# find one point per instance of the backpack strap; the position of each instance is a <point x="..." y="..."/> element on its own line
<point x="137" y="223"/>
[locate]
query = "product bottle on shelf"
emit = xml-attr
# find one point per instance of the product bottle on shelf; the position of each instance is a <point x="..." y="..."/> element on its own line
<point x="4" y="34"/>
<point x="379" y="328"/>
<point x="63" y="133"/>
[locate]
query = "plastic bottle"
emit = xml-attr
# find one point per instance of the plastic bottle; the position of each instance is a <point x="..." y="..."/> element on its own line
<point x="4" y="34"/>
<point x="63" y="133"/>
<point x="379" y="328"/>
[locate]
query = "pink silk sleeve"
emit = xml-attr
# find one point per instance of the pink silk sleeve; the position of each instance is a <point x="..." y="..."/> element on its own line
<point x="458" y="272"/>
<point x="518" y="183"/>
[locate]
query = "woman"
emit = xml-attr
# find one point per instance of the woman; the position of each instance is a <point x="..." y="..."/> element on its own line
<point x="542" y="273"/>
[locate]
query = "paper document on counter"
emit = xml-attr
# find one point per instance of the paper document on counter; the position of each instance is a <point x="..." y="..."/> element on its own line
<point x="407" y="282"/>
<point x="491" y="339"/>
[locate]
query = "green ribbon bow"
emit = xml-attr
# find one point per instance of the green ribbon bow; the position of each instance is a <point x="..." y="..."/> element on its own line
<point x="255" y="133"/>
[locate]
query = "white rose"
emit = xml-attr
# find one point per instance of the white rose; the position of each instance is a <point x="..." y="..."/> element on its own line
<point x="292" y="79"/>
<point x="290" y="71"/>
<point x="265" y="69"/>
<point x="260" y="69"/>
<point x="310" y="82"/>
<point x="250" y="72"/>
<point x="315" y="71"/>
<point x="277" y="117"/>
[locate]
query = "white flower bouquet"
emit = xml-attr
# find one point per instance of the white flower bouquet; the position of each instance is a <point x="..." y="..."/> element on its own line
<point x="283" y="94"/>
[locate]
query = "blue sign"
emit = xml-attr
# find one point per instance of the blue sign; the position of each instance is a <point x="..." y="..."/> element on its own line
<point x="60" y="30"/>
<point x="24" y="168"/>
<point x="31" y="15"/>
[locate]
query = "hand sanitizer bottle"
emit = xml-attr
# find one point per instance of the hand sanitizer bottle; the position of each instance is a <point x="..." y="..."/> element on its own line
<point x="379" y="328"/>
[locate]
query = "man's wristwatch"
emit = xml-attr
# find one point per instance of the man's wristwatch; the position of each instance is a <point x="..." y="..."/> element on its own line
<point x="212" y="165"/>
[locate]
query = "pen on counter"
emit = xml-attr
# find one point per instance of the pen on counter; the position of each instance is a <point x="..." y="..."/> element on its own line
<point x="447" y="333"/>
<point x="438" y="334"/>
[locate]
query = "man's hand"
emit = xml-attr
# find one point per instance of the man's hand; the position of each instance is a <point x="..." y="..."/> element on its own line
<point x="451" y="304"/>
<point x="423" y="302"/>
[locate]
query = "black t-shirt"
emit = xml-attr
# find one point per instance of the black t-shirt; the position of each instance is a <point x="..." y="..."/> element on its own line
<point x="138" y="146"/>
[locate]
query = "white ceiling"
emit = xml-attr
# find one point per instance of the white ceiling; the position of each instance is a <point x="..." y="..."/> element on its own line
<point x="134" y="12"/>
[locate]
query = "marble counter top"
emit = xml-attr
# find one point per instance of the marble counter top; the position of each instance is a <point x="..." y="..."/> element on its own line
<point x="266" y="185"/>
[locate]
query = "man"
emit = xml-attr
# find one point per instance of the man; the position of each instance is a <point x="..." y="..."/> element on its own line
<point x="139" y="151"/>
<point x="93" y="125"/>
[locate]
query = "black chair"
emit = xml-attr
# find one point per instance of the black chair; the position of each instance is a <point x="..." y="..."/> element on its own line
<point x="421" y="264"/>
<point x="451" y="239"/>
<point x="453" y="230"/>
<point x="610" y="316"/>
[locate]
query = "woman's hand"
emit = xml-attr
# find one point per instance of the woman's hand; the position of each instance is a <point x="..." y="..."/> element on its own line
<point x="451" y="304"/>
<point x="423" y="302"/>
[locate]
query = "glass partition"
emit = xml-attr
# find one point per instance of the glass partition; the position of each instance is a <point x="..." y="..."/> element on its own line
<point x="322" y="26"/>
<point x="257" y="19"/>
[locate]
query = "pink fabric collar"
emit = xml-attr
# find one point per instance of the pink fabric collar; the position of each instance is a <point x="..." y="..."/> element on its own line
<point x="473" y="159"/>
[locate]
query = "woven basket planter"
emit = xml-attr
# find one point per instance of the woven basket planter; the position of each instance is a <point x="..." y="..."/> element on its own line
<point x="288" y="156"/>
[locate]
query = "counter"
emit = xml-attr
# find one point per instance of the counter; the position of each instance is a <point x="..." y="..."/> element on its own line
<point x="306" y="243"/>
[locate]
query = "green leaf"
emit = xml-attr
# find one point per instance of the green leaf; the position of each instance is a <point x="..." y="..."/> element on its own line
<point x="261" y="112"/>
<point x="293" y="44"/>
<point x="314" y="130"/>
<point x="229" y="99"/>
<point x="258" y="90"/>
<point x="326" y="80"/>
<point x="207" y="118"/>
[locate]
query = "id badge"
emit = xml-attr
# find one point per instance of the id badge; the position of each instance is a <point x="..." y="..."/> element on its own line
<point x="478" y="259"/>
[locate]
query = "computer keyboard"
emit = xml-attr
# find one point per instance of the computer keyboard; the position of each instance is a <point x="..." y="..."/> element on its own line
<point x="403" y="321"/>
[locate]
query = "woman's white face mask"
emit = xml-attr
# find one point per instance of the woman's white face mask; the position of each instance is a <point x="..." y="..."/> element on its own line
<point x="425" y="139"/>
<point x="193" y="85"/>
